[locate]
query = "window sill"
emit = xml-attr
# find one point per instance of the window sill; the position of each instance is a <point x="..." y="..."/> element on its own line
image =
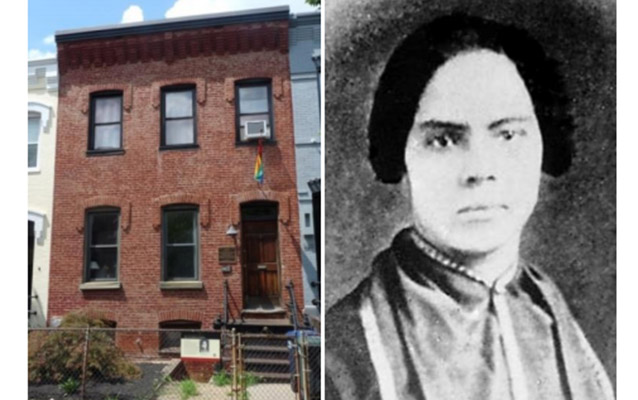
<point x="104" y="285"/>
<point x="34" y="170"/>
<point x="170" y="285"/>
<point x="180" y="147"/>
<point x="267" y="142"/>
<point x="114" y="152"/>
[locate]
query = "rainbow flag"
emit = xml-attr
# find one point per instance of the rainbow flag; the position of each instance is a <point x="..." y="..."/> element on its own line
<point x="259" y="164"/>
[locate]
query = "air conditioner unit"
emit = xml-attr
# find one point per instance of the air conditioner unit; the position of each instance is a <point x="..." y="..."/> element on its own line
<point x="256" y="129"/>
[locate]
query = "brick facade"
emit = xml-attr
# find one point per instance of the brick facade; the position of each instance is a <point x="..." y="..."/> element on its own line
<point x="217" y="176"/>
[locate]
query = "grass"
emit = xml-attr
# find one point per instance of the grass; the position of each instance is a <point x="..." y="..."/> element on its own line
<point x="221" y="378"/>
<point x="188" y="388"/>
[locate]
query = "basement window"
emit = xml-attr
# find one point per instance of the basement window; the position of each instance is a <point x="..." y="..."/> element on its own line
<point x="171" y="334"/>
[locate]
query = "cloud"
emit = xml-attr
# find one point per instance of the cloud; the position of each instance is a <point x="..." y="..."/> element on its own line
<point x="182" y="8"/>
<point x="36" y="54"/>
<point x="49" y="39"/>
<point x="133" y="14"/>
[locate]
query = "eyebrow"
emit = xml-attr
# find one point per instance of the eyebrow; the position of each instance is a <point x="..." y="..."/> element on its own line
<point x="507" y="120"/>
<point x="459" y="126"/>
<point x="436" y="124"/>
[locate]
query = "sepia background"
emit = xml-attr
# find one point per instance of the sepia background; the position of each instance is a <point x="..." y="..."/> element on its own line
<point x="571" y="236"/>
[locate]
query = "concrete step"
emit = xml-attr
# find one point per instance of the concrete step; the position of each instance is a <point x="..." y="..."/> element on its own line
<point x="275" y="377"/>
<point x="266" y="361"/>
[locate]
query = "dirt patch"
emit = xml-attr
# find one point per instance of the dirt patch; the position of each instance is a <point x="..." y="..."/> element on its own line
<point x="152" y="374"/>
<point x="208" y="391"/>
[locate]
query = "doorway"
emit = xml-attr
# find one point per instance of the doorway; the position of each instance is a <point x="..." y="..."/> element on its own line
<point x="260" y="256"/>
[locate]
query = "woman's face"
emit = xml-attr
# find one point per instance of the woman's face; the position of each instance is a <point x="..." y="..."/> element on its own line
<point x="473" y="155"/>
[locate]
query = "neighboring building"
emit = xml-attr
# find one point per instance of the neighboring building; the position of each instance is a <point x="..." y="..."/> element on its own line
<point x="43" y="101"/>
<point x="156" y="205"/>
<point x="305" y="42"/>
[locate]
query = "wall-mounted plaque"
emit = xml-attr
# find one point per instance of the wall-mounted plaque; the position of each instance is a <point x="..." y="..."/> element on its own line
<point x="200" y="348"/>
<point x="227" y="255"/>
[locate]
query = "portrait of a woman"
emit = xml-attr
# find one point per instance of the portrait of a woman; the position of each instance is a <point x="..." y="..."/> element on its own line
<point x="467" y="117"/>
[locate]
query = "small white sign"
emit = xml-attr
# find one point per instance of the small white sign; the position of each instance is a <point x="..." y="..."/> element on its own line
<point x="200" y="348"/>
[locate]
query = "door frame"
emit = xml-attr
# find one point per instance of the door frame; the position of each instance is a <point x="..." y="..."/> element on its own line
<point x="243" y="219"/>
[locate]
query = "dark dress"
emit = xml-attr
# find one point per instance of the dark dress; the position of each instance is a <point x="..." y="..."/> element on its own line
<point x="418" y="329"/>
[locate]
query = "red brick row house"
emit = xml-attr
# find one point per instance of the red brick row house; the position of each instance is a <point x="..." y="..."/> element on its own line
<point x="155" y="201"/>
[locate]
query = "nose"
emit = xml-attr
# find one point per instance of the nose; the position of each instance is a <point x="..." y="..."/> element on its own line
<point x="480" y="161"/>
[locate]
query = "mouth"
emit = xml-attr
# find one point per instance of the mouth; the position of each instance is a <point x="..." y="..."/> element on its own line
<point x="482" y="212"/>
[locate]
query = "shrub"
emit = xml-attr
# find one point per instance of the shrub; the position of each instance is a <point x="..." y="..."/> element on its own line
<point x="58" y="354"/>
<point x="250" y="379"/>
<point x="188" y="389"/>
<point x="221" y="378"/>
<point x="70" y="386"/>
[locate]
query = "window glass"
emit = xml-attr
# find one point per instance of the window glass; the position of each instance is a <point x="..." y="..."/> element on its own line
<point x="178" y="117"/>
<point x="180" y="227"/>
<point x="180" y="243"/>
<point x="102" y="240"/>
<point x="181" y="262"/>
<point x="253" y="99"/>
<point x="107" y="109"/>
<point x="179" y="104"/>
<point x="34" y="136"/>
<point x="254" y="116"/>
<point x="106" y="122"/>
<point x="179" y="132"/>
<point x="104" y="229"/>
<point x="34" y="129"/>
<point x="107" y="137"/>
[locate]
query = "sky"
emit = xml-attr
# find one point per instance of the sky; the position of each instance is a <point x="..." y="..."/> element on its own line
<point x="46" y="16"/>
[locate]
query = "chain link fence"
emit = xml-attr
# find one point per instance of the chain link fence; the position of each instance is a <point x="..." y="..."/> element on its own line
<point x="177" y="364"/>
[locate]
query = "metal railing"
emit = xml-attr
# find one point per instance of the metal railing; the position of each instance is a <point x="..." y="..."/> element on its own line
<point x="292" y="305"/>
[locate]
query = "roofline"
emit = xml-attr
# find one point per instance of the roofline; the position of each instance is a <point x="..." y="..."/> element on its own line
<point x="173" y="24"/>
<point x="43" y="61"/>
<point x="308" y="18"/>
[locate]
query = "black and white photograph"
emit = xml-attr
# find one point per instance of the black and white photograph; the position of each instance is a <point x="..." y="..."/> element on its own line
<point x="470" y="199"/>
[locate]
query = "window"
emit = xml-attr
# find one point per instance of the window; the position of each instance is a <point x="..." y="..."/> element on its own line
<point x="254" y="111"/>
<point x="171" y="333"/>
<point x="106" y="122"/>
<point x="34" y="138"/>
<point x="178" y="117"/>
<point x="180" y="237"/>
<point x="102" y="239"/>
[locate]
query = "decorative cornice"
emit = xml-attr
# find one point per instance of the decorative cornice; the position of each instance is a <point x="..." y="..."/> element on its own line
<point x="172" y="46"/>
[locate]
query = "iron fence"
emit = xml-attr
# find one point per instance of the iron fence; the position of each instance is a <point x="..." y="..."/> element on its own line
<point x="166" y="364"/>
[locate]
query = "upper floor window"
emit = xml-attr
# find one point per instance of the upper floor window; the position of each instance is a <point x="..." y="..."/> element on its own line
<point x="180" y="242"/>
<point x="106" y="121"/>
<point x="254" y="110"/>
<point x="179" y="128"/>
<point x="102" y="242"/>
<point x="34" y="138"/>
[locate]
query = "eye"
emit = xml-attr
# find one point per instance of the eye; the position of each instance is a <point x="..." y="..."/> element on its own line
<point x="510" y="133"/>
<point x="442" y="140"/>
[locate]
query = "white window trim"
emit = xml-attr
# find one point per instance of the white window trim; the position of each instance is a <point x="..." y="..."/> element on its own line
<point x="38" y="222"/>
<point x="45" y="114"/>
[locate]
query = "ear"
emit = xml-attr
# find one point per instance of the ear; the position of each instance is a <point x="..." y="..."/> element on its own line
<point x="404" y="186"/>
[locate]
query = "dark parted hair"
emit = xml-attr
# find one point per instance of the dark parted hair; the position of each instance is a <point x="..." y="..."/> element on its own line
<point x="416" y="59"/>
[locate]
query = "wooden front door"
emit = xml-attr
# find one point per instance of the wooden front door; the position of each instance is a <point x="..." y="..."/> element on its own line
<point x="260" y="261"/>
